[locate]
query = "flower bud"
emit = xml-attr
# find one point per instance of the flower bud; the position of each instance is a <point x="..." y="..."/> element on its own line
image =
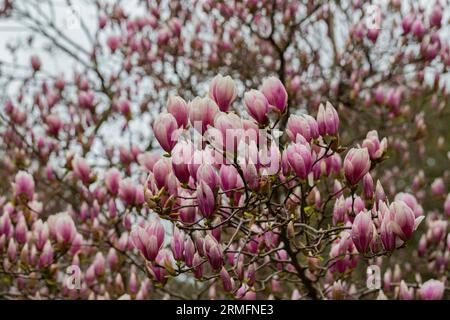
<point x="304" y="125"/>
<point x="356" y="165"/>
<point x="300" y="159"/>
<point x="376" y="148"/>
<point x="166" y="131"/>
<point x="447" y="205"/>
<point x="432" y="290"/>
<point x="197" y="265"/>
<point x="405" y="293"/>
<point x="24" y="185"/>
<point x="436" y="16"/>
<point x="35" y="63"/>
<point x="181" y="157"/>
<point x="82" y="170"/>
<point x="411" y="202"/>
<point x="328" y="120"/>
<point x="418" y="29"/>
<point x="189" y="251"/>
<point x="148" y="240"/>
<point x="112" y="180"/>
<point x="229" y="178"/>
<point x="113" y="42"/>
<point x="363" y="231"/>
<point x="276" y="94"/>
<point x="227" y="281"/>
<point x="213" y="252"/>
<point x="99" y="264"/>
<point x="178" y="108"/>
<point x="65" y="229"/>
<point x="257" y="105"/>
<point x="368" y="188"/>
<point x="223" y="91"/>
<point x="208" y="174"/>
<point x="127" y="191"/>
<point x="46" y="257"/>
<point x="187" y="209"/>
<point x="202" y="112"/>
<point x="403" y="221"/>
<point x="438" y="187"/>
<point x="177" y="244"/>
<point x="407" y="23"/>
<point x="206" y="200"/>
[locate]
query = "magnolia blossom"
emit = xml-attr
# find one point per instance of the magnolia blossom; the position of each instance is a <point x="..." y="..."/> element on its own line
<point x="149" y="239"/>
<point x="24" y="185"/>
<point x="374" y="146"/>
<point x="223" y="91"/>
<point x="356" y="165"/>
<point x="432" y="290"/>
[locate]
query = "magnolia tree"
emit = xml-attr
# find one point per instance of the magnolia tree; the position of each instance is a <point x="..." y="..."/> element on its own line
<point x="226" y="149"/>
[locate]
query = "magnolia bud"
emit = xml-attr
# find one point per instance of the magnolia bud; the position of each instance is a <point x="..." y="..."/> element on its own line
<point x="276" y="94"/>
<point x="356" y="165"/>
<point x="223" y="91"/>
<point x="257" y="105"/>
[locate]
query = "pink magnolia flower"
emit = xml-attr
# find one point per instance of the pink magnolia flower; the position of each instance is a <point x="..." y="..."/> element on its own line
<point x="223" y="91"/>
<point x="436" y="16"/>
<point x="275" y="93"/>
<point x="402" y="220"/>
<point x="406" y="293"/>
<point x="82" y="170"/>
<point x="418" y="29"/>
<point x="148" y="240"/>
<point x="227" y="281"/>
<point x="178" y="108"/>
<point x="46" y="257"/>
<point x="113" y="42"/>
<point x="363" y="231"/>
<point x="213" y="252"/>
<point x="206" y="200"/>
<point x="300" y="159"/>
<point x="257" y="105"/>
<point x="86" y="99"/>
<point x="438" y="187"/>
<point x="447" y="205"/>
<point x="127" y="191"/>
<point x="112" y="180"/>
<point x="376" y="148"/>
<point x="368" y="187"/>
<point x="328" y="120"/>
<point x="411" y="202"/>
<point x="181" y="156"/>
<point x="228" y="177"/>
<point x="206" y="173"/>
<point x="158" y="271"/>
<point x="432" y="290"/>
<point x="24" y="185"/>
<point x="202" y="112"/>
<point x="187" y="209"/>
<point x="35" y="63"/>
<point x="148" y="159"/>
<point x="65" y="229"/>
<point x="161" y="171"/>
<point x="407" y="23"/>
<point x="177" y="244"/>
<point x="356" y="165"/>
<point x="166" y="131"/>
<point x="304" y="125"/>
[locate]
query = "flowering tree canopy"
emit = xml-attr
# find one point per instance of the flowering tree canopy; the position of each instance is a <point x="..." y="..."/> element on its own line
<point x="226" y="149"/>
